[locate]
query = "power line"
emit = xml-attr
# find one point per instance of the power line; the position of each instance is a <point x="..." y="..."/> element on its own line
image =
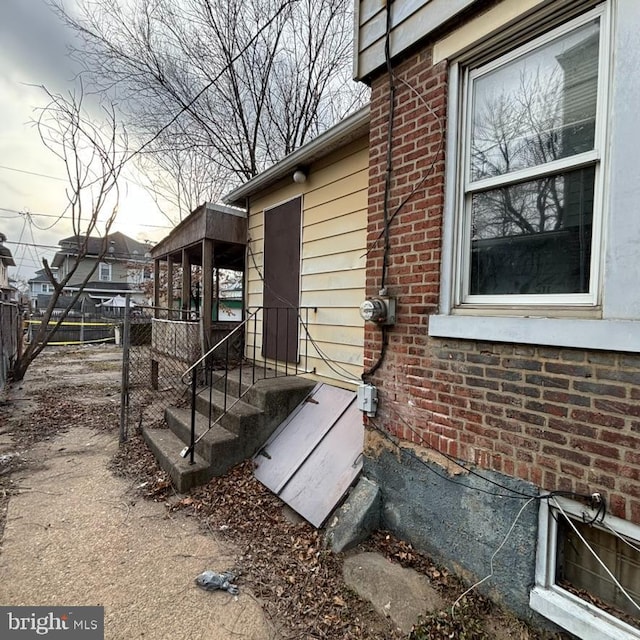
<point x="52" y="215"/>
<point x="31" y="173"/>
<point x="30" y="244"/>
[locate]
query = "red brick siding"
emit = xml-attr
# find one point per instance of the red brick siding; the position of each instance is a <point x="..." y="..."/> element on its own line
<point x="562" y="419"/>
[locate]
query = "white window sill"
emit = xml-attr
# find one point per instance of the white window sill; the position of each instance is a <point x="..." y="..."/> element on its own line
<point x="613" y="335"/>
<point x="578" y="616"/>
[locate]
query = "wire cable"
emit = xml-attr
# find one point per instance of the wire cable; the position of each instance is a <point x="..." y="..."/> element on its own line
<point x="624" y="592"/>
<point x="493" y="557"/>
<point x="343" y="373"/>
<point x="389" y="158"/>
<point x="463" y="466"/>
<point x="31" y="173"/>
<point x="618" y="535"/>
<point x="510" y="495"/>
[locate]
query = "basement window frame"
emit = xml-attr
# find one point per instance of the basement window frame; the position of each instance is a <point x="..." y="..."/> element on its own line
<point x="567" y="610"/>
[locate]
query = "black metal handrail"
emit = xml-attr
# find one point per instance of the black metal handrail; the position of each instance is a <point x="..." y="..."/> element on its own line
<point x="224" y="358"/>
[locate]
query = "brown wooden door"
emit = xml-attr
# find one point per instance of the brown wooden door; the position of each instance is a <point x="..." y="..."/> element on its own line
<point x="282" y="228"/>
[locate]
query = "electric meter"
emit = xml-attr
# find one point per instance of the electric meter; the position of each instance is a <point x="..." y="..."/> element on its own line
<point x="379" y="310"/>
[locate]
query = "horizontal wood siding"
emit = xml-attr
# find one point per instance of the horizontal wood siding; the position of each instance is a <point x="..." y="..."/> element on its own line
<point x="334" y="224"/>
<point x="412" y="20"/>
<point x="83" y="270"/>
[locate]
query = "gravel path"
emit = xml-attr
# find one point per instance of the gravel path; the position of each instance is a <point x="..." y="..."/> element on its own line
<point x="77" y="535"/>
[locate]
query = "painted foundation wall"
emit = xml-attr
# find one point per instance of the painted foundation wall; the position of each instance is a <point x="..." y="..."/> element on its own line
<point x="458" y="526"/>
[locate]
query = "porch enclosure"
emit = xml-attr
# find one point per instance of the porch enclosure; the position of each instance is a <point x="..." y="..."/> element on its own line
<point x="162" y="342"/>
<point x="188" y="265"/>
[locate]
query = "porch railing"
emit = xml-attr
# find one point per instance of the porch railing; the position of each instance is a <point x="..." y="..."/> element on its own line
<point x="271" y="342"/>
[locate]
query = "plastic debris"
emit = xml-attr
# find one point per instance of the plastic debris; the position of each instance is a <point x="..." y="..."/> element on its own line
<point x="212" y="581"/>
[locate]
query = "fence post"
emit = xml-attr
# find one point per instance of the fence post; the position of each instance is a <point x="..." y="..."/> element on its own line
<point x="124" y="387"/>
<point x="192" y="444"/>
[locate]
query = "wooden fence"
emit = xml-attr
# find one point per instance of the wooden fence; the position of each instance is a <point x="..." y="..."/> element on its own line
<point x="10" y="329"/>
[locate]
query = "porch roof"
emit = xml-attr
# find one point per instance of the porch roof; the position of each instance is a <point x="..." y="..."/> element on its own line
<point x="225" y="226"/>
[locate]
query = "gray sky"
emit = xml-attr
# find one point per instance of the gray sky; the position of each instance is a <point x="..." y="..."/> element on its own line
<point x="33" y="51"/>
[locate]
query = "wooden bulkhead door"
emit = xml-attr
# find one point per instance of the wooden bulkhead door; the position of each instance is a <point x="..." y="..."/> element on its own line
<point x="282" y="237"/>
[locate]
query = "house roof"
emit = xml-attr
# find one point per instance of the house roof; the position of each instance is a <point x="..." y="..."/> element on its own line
<point x="41" y="276"/>
<point x="6" y="257"/>
<point x="347" y="130"/>
<point x="119" y="246"/>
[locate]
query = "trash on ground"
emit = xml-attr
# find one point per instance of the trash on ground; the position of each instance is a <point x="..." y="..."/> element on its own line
<point x="211" y="581"/>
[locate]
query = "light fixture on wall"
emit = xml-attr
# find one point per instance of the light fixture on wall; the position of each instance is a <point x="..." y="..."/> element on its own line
<point x="299" y="176"/>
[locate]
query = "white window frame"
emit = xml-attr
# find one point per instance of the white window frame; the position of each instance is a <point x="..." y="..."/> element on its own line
<point x="592" y="158"/>
<point x="614" y="324"/>
<point x="101" y="266"/>
<point x="562" y="607"/>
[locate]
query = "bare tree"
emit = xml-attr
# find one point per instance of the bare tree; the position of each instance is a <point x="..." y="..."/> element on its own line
<point x="513" y="130"/>
<point x="252" y="80"/>
<point x="92" y="154"/>
<point x="533" y="235"/>
<point x="180" y="177"/>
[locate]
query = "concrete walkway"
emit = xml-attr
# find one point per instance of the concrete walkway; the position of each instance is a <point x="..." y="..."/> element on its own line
<point x="75" y="535"/>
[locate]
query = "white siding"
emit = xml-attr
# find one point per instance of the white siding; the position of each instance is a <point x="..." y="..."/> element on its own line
<point x="411" y="20"/>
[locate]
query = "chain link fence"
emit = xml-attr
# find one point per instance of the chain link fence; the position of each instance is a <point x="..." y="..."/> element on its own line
<point x="157" y="349"/>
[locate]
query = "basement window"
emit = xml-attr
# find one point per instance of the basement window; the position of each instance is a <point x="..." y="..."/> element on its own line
<point x="573" y="588"/>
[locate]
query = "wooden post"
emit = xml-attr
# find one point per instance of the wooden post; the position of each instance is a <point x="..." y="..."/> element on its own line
<point x="186" y="285"/>
<point x="170" y="301"/>
<point x="207" y="288"/>
<point x="156" y="288"/>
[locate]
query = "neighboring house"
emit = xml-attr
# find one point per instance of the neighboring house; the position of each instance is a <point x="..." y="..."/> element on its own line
<point x="6" y="261"/>
<point x="123" y="269"/>
<point x="230" y="305"/>
<point x="39" y="286"/>
<point x="509" y="385"/>
<point x="307" y="244"/>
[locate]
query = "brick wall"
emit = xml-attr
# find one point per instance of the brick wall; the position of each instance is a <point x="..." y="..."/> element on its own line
<point x="563" y="419"/>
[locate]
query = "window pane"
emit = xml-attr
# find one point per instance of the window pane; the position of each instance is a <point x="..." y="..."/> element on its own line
<point x="579" y="572"/>
<point x="533" y="237"/>
<point x="537" y="108"/>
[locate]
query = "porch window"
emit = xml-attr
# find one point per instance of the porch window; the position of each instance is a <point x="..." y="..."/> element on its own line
<point x="530" y="200"/>
<point x="587" y="571"/>
<point x="104" y="272"/>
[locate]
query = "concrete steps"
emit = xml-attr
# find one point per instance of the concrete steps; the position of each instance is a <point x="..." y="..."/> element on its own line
<point x="238" y="434"/>
<point x="166" y="447"/>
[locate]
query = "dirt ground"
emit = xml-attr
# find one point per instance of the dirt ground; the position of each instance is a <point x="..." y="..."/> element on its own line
<point x="76" y="534"/>
<point x="88" y="522"/>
